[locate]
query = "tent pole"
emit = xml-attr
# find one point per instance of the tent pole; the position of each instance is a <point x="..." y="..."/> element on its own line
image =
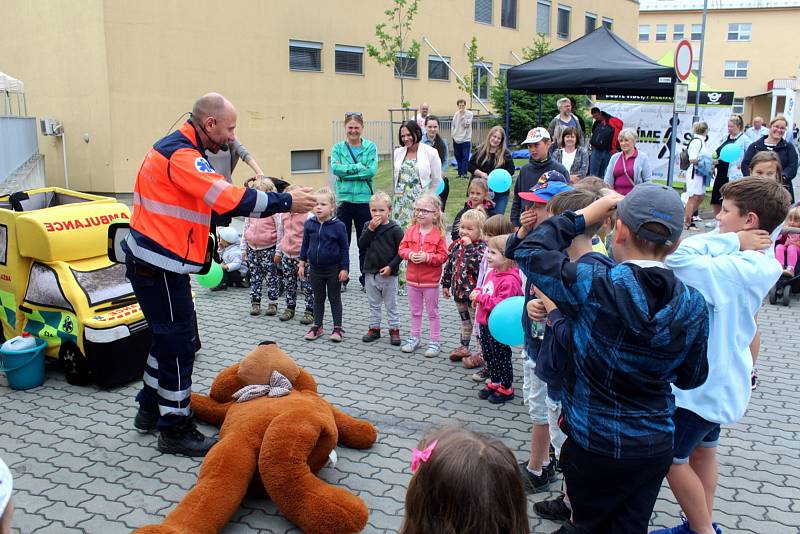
<point x="540" y="110"/>
<point x="672" y="136"/>
<point x="508" y="113"/>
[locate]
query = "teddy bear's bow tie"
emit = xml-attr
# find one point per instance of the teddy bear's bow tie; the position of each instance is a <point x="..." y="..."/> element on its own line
<point x="278" y="386"/>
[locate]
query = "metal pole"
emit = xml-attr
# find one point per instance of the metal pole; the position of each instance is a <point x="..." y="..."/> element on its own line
<point x="508" y="113"/>
<point x="673" y="135"/>
<point x="696" y="116"/>
<point x="519" y="61"/>
<point x="64" y="151"/>
<point x="447" y="64"/>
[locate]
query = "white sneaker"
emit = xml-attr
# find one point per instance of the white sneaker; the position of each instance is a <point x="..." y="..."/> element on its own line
<point x="697" y="218"/>
<point x="411" y="344"/>
<point x="432" y="350"/>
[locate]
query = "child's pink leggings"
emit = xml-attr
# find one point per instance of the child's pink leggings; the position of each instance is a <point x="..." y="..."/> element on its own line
<point x="786" y="255"/>
<point x="419" y="299"/>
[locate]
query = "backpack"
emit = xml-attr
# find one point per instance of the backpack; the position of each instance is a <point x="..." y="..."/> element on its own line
<point x="683" y="159"/>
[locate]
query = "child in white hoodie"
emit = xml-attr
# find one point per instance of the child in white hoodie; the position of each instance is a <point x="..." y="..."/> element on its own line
<point x="729" y="268"/>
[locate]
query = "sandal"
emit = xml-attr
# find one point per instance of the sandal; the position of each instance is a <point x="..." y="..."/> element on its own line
<point x="472" y="361"/>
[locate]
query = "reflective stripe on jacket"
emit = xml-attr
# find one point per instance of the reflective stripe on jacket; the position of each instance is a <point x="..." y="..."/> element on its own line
<point x="176" y="189"/>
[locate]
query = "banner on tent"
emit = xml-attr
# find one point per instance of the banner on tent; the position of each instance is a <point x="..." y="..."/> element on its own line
<point x="650" y="117"/>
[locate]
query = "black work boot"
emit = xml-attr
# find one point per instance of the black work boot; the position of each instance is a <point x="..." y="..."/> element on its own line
<point x="146" y="419"/>
<point x="184" y="439"/>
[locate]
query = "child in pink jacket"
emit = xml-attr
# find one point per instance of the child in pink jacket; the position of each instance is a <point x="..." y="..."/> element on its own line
<point x="502" y="281"/>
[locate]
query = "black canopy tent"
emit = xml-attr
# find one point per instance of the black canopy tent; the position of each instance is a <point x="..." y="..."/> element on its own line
<point x="598" y="63"/>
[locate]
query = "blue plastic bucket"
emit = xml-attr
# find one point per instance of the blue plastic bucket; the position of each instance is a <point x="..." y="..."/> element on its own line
<point x="24" y="369"/>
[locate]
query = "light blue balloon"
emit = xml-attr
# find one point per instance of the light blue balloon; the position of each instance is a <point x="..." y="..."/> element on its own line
<point x="730" y="153"/>
<point x="440" y="188"/>
<point x="499" y="180"/>
<point x="505" y="321"/>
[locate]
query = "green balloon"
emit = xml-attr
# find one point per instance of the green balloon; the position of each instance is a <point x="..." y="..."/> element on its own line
<point x="212" y="278"/>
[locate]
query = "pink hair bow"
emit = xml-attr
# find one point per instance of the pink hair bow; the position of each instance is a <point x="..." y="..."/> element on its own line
<point x="423" y="455"/>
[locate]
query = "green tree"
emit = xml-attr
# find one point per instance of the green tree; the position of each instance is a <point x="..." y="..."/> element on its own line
<point x="393" y="41"/>
<point x="524" y="105"/>
<point x="473" y="58"/>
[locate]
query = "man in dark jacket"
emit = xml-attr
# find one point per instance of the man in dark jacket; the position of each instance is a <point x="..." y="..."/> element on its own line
<point x="603" y="142"/>
<point x="538" y="142"/>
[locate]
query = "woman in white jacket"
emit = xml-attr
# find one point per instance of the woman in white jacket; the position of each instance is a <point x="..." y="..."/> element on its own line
<point x="417" y="169"/>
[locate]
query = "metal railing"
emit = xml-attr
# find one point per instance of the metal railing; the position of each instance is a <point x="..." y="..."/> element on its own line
<point x="384" y="135"/>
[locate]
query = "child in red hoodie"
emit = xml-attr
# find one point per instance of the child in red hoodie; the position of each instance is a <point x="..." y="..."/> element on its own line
<point x="502" y="281"/>
<point x="425" y="249"/>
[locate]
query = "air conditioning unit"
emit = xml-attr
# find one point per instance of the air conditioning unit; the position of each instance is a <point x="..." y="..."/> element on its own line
<point x="50" y="126"/>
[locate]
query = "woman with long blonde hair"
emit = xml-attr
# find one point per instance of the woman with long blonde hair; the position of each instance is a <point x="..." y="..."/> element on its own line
<point x="492" y="154"/>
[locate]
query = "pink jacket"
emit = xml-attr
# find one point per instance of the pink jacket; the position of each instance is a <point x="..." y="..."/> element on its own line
<point x="497" y="287"/>
<point x="425" y="274"/>
<point x="291" y="233"/>
<point x="260" y="233"/>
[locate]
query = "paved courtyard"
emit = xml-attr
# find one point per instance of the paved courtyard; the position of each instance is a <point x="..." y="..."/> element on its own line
<point x="80" y="467"/>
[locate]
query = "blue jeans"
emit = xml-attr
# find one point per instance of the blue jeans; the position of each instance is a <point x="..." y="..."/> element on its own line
<point x="598" y="162"/>
<point x="461" y="153"/>
<point x="500" y="202"/>
<point x="358" y="214"/>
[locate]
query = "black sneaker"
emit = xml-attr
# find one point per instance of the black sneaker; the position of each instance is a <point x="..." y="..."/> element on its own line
<point x="554" y="509"/>
<point x="146" y="420"/>
<point x="536" y="484"/>
<point x="184" y="439"/>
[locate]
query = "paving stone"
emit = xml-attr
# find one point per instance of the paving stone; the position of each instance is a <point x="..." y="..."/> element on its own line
<point x="80" y="467"/>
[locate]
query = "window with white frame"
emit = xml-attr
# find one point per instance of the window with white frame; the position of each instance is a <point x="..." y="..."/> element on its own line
<point x="305" y="55"/>
<point x="306" y="161"/>
<point x="736" y="68"/>
<point x="349" y="59"/>
<point x="480" y="80"/>
<point x="591" y="22"/>
<point x="508" y="14"/>
<point x="695" y="66"/>
<point x="739" y="31"/>
<point x="404" y="66"/>
<point x="543" y="17"/>
<point x="697" y="32"/>
<point x="483" y="11"/>
<point x="678" y="31"/>
<point x="562" y="22"/>
<point x="437" y="68"/>
<point x="503" y="70"/>
<point x="661" y="32"/>
<point x="608" y="23"/>
<point x="644" y="33"/>
<point x="738" y="106"/>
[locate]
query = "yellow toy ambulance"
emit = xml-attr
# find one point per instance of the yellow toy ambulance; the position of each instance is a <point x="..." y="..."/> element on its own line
<point x="57" y="282"/>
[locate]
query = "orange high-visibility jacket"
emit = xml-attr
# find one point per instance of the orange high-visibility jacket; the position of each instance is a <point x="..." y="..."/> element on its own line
<point x="176" y="190"/>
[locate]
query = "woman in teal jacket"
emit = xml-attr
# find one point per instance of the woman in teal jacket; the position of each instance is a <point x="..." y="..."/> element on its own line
<point x="354" y="162"/>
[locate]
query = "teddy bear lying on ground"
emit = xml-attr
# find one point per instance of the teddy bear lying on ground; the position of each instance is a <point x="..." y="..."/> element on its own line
<point x="276" y="434"/>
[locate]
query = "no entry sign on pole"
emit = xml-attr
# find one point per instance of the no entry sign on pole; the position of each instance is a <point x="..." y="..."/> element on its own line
<point x="683" y="59"/>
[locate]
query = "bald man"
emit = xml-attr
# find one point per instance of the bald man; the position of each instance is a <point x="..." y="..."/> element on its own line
<point x="757" y="130"/>
<point x="175" y="193"/>
<point x="422" y="115"/>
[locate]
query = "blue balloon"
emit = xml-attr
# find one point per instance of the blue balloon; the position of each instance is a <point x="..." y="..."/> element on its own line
<point x="499" y="180"/>
<point x="730" y="153"/>
<point x="441" y="187"/>
<point x="505" y="321"/>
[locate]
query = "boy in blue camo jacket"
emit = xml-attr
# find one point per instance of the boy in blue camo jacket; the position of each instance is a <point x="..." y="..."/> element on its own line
<point x="637" y="329"/>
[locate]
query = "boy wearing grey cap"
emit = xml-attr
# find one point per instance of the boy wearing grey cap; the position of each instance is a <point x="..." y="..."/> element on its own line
<point x="637" y="329"/>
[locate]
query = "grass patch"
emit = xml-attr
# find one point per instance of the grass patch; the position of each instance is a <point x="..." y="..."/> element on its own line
<point x="458" y="187"/>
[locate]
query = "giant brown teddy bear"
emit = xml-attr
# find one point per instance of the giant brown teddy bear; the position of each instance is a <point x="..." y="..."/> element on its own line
<point x="286" y="440"/>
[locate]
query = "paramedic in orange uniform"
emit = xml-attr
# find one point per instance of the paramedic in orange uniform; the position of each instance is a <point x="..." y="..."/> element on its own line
<point x="176" y="190"/>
